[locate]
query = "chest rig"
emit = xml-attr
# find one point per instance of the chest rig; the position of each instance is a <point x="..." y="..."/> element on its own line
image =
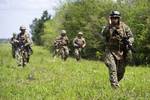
<point x="115" y="37"/>
<point x="79" y="41"/>
<point x="22" y="38"/>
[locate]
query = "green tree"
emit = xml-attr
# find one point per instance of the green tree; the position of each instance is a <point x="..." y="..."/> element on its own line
<point x="89" y="16"/>
<point x="37" y="28"/>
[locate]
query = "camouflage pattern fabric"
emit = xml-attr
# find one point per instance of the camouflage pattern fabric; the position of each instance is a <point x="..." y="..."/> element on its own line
<point x="79" y="44"/>
<point x="25" y="40"/>
<point x="59" y="43"/>
<point x="115" y="57"/>
<point x="14" y="45"/>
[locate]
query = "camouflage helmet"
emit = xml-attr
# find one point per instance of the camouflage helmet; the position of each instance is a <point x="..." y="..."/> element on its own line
<point x="80" y="33"/>
<point x="63" y="32"/>
<point x="115" y="14"/>
<point x="22" y="27"/>
<point x="14" y="34"/>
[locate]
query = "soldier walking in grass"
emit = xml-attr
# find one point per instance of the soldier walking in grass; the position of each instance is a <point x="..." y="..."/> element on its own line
<point x="79" y="43"/>
<point x="13" y="41"/>
<point x="116" y="50"/>
<point x="61" y="45"/>
<point x="25" y="41"/>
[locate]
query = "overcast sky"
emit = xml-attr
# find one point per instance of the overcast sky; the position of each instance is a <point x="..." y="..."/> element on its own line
<point x="14" y="13"/>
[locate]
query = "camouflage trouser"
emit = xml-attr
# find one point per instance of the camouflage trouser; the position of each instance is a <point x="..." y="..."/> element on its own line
<point x="66" y="50"/>
<point x="77" y="52"/>
<point x="56" y="52"/>
<point x="22" y="57"/>
<point x="13" y="51"/>
<point x="29" y="50"/>
<point x="116" y="69"/>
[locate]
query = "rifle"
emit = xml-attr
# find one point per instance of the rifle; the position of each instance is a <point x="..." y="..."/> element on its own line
<point x="127" y="45"/>
<point x="125" y="41"/>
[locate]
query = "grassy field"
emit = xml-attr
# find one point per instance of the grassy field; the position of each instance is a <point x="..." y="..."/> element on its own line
<point x="47" y="79"/>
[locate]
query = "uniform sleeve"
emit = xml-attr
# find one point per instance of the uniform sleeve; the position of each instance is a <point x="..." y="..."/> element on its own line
<point x="84" y="42"/>
<point x="67" y="39"/>
<point x="28" y="39"/>
<point x="129" y="34"/>
<point x="74" y="42"/>
<point x="58" y="39"/>
<point x="104" y="33"/>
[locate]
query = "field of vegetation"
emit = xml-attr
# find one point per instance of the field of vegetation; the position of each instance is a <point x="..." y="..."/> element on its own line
<point x="45" y="78"/>
<point x="89" y="17"/>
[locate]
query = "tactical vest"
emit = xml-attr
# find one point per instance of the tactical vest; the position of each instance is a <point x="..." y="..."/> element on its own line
<point x="115" y="37"/>
<point x="22" y="38"/>
<point x="64" y="40"/>
<point x="79" y="41"/>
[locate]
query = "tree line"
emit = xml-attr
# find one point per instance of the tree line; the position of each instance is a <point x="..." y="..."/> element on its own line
<point x="89" y="16"/>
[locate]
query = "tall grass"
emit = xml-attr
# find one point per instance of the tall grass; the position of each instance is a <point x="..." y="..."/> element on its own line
<point x="47" y="79"/>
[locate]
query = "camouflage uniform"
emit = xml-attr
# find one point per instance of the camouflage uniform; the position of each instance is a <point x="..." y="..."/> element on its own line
<point x="14" y="44"/>
<point x="115" y="56"/>
<point x="61" y="42"/>
<point x="79" y="43"/>
<point x="26" y="40"/>
<point x="56" y="47"/>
